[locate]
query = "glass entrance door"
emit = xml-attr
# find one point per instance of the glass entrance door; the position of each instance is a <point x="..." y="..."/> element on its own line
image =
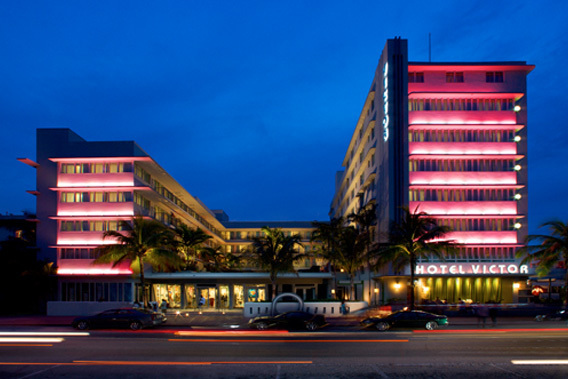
<point x="210" y="296"/>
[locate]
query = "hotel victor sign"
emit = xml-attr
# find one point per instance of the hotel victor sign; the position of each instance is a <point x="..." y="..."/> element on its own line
<point x="471" y="268"/>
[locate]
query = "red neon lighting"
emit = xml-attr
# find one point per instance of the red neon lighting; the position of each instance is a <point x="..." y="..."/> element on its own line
<point x="517" y="186"/>
<point x="483" y="237"/>
<point x="119" y="179"/>
<point x="82" y="238"/>
<point x="466" y="207"/>
<point x="101" y="159"/>
<point x="102" y="188"/>
<point x="462" y="117"/>
<point x="86" y="267"/>
<point x="495" y="148"/>
<point x="96" y="209"/>
<point x="462" y="178"/>
<point x="468" y="126"/>
<point x="93" y="271"/>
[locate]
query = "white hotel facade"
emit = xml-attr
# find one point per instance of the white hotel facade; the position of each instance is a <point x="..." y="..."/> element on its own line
<point x="85" y="188"/>
<point x="448" y="138"/>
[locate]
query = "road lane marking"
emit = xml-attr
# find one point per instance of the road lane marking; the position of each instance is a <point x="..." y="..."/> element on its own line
<point x="279" y="341"/>
<point x="541" y="362"/>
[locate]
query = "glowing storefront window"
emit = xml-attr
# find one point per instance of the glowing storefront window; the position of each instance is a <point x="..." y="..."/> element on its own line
<point x="190" y="296"/>
<point x="170" y="292"/>
<point x="256" y="293"/>
<point x="224" y="296"/>
<point x="238" y="296"/>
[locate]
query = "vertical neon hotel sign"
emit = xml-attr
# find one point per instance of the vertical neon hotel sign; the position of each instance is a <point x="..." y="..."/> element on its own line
<point x="386" y="119"/>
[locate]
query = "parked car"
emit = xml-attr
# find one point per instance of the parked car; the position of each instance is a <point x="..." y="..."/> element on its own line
<point x="406" y="319"/>
<point x="559" y="315"/>
<point x="289" y="320"/>
<point x="131" y="318"/>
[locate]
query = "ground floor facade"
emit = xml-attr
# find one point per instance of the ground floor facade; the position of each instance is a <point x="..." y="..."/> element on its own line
<point x="220" y="291"/>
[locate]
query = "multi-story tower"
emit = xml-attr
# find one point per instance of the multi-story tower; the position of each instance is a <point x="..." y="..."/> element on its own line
<point x="450" y="141"/>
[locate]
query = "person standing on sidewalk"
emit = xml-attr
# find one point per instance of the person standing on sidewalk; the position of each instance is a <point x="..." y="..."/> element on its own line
<point x="482" y="314"/>
<point x="493" y="313"/>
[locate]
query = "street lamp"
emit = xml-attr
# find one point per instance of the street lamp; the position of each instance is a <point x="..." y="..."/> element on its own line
<point x="376" y="290"/>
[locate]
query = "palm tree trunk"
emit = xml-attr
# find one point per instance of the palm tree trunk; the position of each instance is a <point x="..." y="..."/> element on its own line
<point x="412" y="270"/>
<point x="566" y="287"/>
<point x="142" y="283"/>
<point x="352" y="295"/>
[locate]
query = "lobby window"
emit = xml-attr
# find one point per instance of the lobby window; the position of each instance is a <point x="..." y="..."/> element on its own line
<point x="494" y="77"/>
<point x="454" y="77"/>
<point x="415" y="77"/>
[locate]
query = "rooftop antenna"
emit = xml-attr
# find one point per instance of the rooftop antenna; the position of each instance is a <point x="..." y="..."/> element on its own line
<point x="429" y="47"/>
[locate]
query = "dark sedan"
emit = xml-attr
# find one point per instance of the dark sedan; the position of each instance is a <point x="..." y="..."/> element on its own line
<point x="559" y="315"/>
<point x="289" y="320"/>
<point x="406" y="319"/>
<point x="129" y="318"/>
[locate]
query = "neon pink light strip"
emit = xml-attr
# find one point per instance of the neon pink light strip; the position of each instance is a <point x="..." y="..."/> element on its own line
<point x="96" y="213"/>
<point x="93" y="271"/>
<point x="88" y="184"/>
<point x="100" y="159"/>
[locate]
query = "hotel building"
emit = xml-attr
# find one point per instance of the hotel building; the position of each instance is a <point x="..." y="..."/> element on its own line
<point x="85" y="188"/>
<point x="448" y="139"/>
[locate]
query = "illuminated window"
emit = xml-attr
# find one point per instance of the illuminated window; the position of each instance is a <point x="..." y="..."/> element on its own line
<point x="494" y="77"/>
<point x="416" y="77"/>
<point x="454" y="77"/>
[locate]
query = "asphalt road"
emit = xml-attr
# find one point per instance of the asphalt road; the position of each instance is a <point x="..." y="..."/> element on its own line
<point x="486" y="353"/>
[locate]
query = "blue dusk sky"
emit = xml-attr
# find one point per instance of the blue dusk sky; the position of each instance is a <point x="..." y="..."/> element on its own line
<point x="250" y="105"/>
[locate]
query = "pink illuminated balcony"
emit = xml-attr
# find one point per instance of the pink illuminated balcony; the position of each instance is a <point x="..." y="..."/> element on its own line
<point x="86" y="267"/>
<point x="119" y="179"/>
<point x="96" y="209"/>
<point x="495" y="148"/>
<point x="504" y="237"/>
<point x="466" y="207"/>
<point x="82" y="238"/>
<point x="467" y="126"/>
<point x="463" y="178"/>
<point x="462" y="117"/>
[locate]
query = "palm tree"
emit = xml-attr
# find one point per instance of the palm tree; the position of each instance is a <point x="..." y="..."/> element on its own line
<point x="365" y="219"/>
<point x="140" y="241"/>
<point x="189" y="241"/>
<point x="213" y="258"/>
<point x="327" y="233"/>
<point x="416" y="235"/>
<point x="550" y="251"/>
<point x="275" y="253"/>
<point x="351" y="253"/>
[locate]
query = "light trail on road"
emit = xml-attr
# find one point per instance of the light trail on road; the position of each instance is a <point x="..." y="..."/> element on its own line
<point x="283" y="341"/>
<point x="30" y="340"/>
<point x="541" y="362"/>
<point x="44" y="334"/>
<point x="152" y="363"/>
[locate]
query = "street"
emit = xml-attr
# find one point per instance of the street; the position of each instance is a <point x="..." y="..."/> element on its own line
<point x="489" y="353"/>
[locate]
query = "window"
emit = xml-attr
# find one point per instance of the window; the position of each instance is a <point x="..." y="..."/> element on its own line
<point x="454" y="77"/>
<point x="494" y="77"/>
<point x="415" y="77"/>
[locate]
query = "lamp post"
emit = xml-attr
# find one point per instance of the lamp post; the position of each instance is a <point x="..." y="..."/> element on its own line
<point x="376" y="290"/>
